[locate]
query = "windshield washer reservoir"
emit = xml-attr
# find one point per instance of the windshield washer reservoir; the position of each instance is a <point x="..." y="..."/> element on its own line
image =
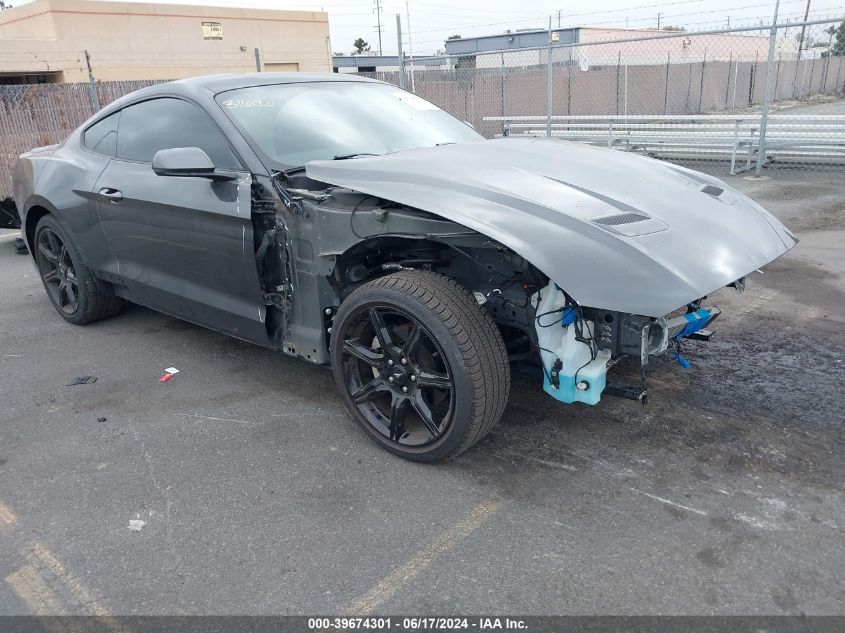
<point x="571" y="374"/>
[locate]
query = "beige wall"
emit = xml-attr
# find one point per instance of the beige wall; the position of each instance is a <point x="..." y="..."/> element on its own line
<point x="156" y="41"/>
<point x="29" y="21"/>
<point x="683" y="48"/>
<point x="595" y="49"/>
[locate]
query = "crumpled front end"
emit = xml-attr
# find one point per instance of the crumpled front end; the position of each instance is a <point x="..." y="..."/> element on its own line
<point x="578" y="346"/>
<point x="615" y="230"/>
<point x="629" y="246"/>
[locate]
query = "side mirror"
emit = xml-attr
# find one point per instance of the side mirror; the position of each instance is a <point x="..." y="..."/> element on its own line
<point x="186" y="161"/>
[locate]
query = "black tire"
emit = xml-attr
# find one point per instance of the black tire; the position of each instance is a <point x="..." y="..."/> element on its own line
<point x="457" y="358"/>
<point x="71" y="287"/>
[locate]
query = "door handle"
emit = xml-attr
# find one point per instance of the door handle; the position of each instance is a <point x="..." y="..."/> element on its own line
<point x="112" y="194"/>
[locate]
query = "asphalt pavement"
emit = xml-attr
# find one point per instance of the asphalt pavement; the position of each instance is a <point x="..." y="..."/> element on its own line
<point x="241" y="486"/>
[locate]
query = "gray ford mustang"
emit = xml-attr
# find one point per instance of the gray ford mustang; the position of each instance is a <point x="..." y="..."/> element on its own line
<point x="351" y="223"/>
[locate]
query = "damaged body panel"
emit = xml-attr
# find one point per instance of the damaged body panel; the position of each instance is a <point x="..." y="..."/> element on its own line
<point x="352" y="224"/>
<point x="617" y="231"/>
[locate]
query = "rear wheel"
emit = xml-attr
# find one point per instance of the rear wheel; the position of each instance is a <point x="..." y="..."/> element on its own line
<point x="71" y="287"/>
<point x="421" y="366"/>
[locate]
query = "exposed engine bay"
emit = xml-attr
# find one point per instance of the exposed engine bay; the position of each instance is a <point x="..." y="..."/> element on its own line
<point x="361" y="237"/>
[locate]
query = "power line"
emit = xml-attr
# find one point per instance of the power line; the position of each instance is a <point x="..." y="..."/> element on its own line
<point x="675" y="15"/>
<point x="486" y="10"/>
<point x="749" y="23"/>
<point x="449" y="14"/>
<point x="455" y="20"/>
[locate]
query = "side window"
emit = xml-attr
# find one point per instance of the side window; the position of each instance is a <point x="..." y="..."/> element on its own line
<point x="102" y="136"/>
<point x="165" y="123"/>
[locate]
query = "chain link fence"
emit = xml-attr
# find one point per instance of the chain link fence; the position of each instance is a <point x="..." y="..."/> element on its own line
<point x="693" y="98"/>
<point x="33" y="115"/>
<point x="698" y="98"/>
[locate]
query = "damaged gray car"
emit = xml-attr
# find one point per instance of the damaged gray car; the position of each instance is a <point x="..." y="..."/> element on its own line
<point x="353" y="224"/>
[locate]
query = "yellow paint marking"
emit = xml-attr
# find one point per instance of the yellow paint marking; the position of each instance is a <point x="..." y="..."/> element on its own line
<point x="31" y="588"/>
<point x="7" y="517"/>
<point x="45" y="558"/>
<point x="422" y="559"/>
<point x="79" y="591"/>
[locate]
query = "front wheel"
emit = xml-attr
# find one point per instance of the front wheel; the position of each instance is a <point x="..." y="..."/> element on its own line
<point x="420" y="365"/>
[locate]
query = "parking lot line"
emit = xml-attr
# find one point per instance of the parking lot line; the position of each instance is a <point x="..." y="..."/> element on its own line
<point x="33" y="591"/>
<point x="7" y="517"/>
<point x="46" y="558"/>
<point x="409" y="570"/>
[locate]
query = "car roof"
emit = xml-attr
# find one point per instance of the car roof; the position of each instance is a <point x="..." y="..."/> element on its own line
<point x="203" y="86"/>
<point x="233" y="81"/>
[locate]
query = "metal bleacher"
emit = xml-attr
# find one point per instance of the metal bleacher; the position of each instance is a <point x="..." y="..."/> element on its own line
<point x="790" y="138"/>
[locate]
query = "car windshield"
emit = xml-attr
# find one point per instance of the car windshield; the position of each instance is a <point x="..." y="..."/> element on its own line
<point x="292" y="124"/>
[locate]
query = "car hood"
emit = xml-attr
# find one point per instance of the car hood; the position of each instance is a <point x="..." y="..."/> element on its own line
<point x="615" y="230"/>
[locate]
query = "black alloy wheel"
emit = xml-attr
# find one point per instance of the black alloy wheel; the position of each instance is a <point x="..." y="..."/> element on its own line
<point x="397" y="375"/>
<point x="57" y="271"/>
<point x="77" y="296"/>
<point x="421" y="366"/>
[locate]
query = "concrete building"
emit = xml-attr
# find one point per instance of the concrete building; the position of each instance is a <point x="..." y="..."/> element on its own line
<point x="586" y="46"/>
<point x="45" y="40"/>
<point x="385" y="63"/>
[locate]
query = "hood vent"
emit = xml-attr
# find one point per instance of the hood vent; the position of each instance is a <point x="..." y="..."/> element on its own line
<point x="621" y="218"/>
<point x="720" y="194"/>
<point x="631" y="224"/>
<point x="712" y="190"/>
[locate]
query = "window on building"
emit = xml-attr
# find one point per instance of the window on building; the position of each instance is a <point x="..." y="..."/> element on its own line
<point x="102" y="136"/>
<point x="165" y="123"/>
<point x="46" y="78"/>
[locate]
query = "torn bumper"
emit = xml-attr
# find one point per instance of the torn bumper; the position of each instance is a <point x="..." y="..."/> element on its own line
<point x="658" y="335"/>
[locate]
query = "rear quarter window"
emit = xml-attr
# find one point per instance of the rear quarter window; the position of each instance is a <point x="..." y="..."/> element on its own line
<point x="102" y="136"/>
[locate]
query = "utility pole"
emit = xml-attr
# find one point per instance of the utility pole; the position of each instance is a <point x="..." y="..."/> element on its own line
<point x="410" y="45"/>
<point x="658" y="20"/>
<point x="378" y="17"/>
<point x="549" y="83"/>
<point x="399" y="48"/>
<point x="803" y="26"/>
<point x="767" y="94"/>
<point x="95" y="99"/>
<point x="558" y="18"/>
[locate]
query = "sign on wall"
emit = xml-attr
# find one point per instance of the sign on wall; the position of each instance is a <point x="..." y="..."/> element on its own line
<point x="212" y="31"/>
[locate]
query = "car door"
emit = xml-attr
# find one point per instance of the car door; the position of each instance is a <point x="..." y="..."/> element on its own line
<point x="183" y="245"/>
